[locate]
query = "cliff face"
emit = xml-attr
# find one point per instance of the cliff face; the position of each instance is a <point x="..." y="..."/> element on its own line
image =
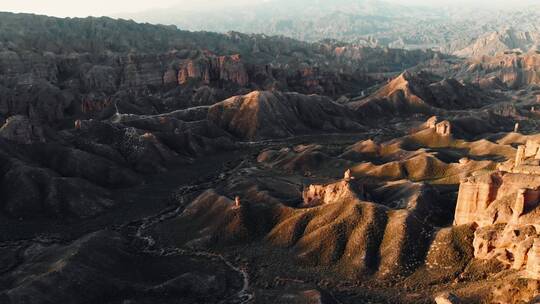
<point x="493" y="199"/>
<point x="92" y="67"/>
<point x="505" y="206"/>
<point x="214" y="68"/>
<point x="53" y="86"/>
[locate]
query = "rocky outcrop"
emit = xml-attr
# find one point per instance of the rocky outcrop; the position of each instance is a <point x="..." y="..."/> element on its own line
<point x="512" y="245"/>
<point x="365" y="228"/>
<point x="210" y="68"/>
<point x="447" y="298"/>
<point x="505" y="205"/>
<point x="339" y="192"/>
<point x="94" y="87"/>
<point x="474" y="197"/>
<point x="498" y="198"/>
<point x="514" y="187"/>
<point x="264" y="114"/>
<point x="71" y="78"/>
<point x="333" y="224"/>
<point x="512" y="70"/>
<point x="516" y="290"/>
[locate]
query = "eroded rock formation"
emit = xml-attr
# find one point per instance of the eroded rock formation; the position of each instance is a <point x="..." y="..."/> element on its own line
<point x="511" y="70"/>
<point x="505" y="206"/>
<point x="339" y="192"/>
<point x="210" y="68"/>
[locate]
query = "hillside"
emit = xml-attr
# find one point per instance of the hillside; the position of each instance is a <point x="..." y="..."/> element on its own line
<point x="449" y="28"/>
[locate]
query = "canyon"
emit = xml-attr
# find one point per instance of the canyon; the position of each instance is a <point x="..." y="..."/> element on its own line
<point x="143" y="164"/>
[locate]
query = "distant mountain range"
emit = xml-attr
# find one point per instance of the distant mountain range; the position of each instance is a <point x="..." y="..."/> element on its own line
<point x="503" y="41"/>
<point x="366" y="22"/>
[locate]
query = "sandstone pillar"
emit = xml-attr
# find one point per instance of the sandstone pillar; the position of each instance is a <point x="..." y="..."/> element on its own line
<point x="520" y="154"/>
<point x="519" y="205"/>
<point x="466" y="203"/>
<point x="347" y="176"/>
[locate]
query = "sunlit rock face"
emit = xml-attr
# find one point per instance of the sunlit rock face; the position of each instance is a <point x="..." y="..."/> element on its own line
<point x="342" y="191"/>
<point x="512" y="245"/>
<point x="498" y="197"/>
<point x="505" y="206"/>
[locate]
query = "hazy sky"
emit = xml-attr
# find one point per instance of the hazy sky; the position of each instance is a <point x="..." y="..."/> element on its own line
<point x="81" y="8"/>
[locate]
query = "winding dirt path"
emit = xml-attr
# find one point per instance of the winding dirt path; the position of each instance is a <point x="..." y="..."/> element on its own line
<point x="243" y="296"/>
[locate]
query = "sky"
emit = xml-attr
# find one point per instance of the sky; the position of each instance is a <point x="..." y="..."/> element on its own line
<point x="83" y="8"/>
